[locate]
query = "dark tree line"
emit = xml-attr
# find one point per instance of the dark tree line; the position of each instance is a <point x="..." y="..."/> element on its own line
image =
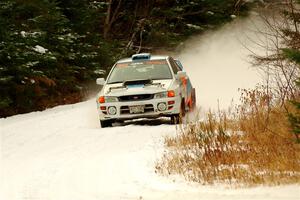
<point x="51" y="49"/>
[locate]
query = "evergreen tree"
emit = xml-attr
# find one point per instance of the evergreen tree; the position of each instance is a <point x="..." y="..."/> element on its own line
<point x="53" y="48"/>
<point x="46" y="53"/>
<point x="35" y="44"/>
<point x="294" y="55"/>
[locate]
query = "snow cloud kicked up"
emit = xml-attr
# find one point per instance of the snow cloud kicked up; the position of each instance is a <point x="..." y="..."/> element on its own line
<point x="218" y="62"/>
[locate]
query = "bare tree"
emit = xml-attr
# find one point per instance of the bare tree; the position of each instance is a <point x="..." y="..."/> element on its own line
<point x="112" y="14"/>
<point x="281" y="20"/>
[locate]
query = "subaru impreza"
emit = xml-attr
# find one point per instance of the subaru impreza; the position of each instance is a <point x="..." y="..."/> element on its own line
<point x="145" y="86"/>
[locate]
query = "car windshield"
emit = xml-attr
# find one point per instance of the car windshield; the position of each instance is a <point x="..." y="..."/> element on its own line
<point x="140" y="70"/>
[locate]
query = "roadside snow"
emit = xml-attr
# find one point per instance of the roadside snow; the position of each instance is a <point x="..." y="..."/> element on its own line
<point x="62" y="154"/>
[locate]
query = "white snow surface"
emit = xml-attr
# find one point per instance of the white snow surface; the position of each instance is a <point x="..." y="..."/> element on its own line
<point x="63" y="154"/>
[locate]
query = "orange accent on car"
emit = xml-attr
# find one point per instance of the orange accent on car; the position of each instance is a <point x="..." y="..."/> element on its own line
<point x="156" y="62"/>
<point x="171" y="93"/>
<point x="184" y="81"/>
<point x="101" y="99"/>
<point x="122" y="65"/>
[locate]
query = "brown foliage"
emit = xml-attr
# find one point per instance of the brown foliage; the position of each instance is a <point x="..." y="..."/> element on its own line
<point x="250" y="146"/>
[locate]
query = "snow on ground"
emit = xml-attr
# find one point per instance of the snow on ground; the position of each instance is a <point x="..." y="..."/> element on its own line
<point x="63" y="154"/>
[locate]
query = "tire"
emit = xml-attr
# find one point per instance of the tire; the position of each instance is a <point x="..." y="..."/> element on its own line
<point x="106" y="123"/>
<point x="177" y="118"/>
<point x="193" y="106"/>
<point x="182" y="108"/>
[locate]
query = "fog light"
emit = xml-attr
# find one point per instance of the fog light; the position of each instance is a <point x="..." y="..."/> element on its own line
<point x="162" y="106"/>
<point x="171" y="102"/>
<point x="103" y="107"/>
<point x="112" y="110"/>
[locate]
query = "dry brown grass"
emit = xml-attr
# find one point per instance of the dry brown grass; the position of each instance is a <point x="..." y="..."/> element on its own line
<point x="252" y="145"/>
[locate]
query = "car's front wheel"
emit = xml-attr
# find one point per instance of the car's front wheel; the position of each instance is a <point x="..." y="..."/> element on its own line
<point x="193" y="106"/>
<point x="177" y="118"/>
<point x="106" y="123"/>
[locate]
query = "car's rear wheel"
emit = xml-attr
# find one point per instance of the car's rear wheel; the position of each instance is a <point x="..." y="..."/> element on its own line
<point x="106" y="123"/>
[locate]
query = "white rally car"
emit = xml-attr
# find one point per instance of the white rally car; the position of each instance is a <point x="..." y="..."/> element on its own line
<point x="145" y="86"/>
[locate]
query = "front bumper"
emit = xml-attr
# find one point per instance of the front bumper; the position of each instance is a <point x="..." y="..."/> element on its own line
<point x="150" y="109"/>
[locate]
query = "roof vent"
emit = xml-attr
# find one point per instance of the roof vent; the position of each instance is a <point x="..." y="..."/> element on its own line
<point x="141" y="56"/>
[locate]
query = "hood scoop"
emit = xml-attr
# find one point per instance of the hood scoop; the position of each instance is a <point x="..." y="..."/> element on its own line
<point x="137" y="83"/>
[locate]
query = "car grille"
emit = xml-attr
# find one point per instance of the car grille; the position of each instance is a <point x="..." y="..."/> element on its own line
<point x="125" y="109"/>
<point x="139" y="97"/>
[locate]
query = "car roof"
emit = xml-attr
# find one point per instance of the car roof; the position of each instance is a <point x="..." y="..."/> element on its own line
<point x="153" y="57"/>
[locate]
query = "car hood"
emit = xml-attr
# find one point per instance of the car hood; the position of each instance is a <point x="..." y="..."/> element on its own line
<point x="118" y="89"/>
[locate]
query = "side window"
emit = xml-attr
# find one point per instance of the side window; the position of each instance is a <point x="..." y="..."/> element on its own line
<point x="174" y="66"/>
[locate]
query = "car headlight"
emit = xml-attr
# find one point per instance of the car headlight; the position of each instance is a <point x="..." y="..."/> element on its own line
<point x="111" y="99"/>
<point x="169" y="93"/>
<point x="107" y="99"/>
<point x="160" y="95"/>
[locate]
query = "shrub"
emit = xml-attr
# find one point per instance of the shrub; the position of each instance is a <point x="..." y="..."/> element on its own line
<point x="249" y="146"/>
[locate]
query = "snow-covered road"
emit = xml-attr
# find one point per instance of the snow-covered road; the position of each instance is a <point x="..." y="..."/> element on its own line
<point x="63" y="154"/>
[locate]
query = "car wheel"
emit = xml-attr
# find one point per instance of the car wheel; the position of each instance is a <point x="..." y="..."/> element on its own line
<point x="106" y="123"/>
<point x="177" y="119"/>
<point x="182" y="108"/>
<point x="193" y="99"/>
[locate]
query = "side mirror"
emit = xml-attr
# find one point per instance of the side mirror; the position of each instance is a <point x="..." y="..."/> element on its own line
<point x="100" y="81"/>
<point x="181" y="74"/>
